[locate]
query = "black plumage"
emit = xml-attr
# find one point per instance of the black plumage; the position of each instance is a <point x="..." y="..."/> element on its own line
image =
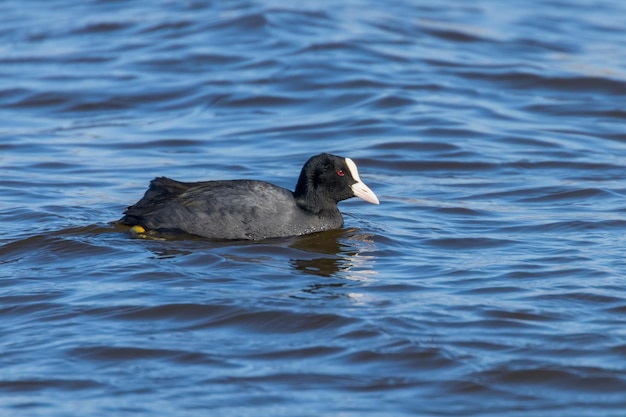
<point x="252" y="209"/>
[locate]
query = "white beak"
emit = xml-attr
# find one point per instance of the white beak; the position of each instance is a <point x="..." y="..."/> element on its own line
<point x="363" y="191"/>
<point x="359" y="188"/>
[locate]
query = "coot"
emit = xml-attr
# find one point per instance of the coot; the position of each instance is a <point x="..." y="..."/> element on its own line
<point x="251" y="209"/>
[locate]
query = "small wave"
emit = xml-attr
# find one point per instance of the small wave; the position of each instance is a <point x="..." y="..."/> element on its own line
<point x="574" y="84"/>
<point x="256" y="320"/>
<point x="469" y="243"/>
<point x="558" y="195"/>
<point x="41" y="384"/>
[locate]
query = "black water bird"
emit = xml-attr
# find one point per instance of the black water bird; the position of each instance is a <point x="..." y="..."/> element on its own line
<point x="251" y="209"/>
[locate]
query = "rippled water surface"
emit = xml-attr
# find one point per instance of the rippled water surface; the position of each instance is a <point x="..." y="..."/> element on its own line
<point x="491" y="280"/>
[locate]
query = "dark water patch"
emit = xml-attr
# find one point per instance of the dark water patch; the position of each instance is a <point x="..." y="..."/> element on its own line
<point x="619" y="310"/>
<point x="12" y="93"/>
<point x="405" y="358"/>
<point x="524" y="316"/>
<point x="216" y="316"/>
<point x="565" y="166"/>
<point x="101" y="27"/>
<point x="175" y="145"/>
<point x="563" y="194"/>
<point x="500" y="290"/>
<point x="586" y="381"/>
<point x="298" y="353"/>
<point x="213" y="60"/>
<point x="162" y="98"/>
<point x="45" y="99"/>
<point x="579" y="297"/>
<point x="35" y="306"/>
<point x="571" y="85"/>
<point x="449" y="132"/>
<point x="455" y="63"/>
<point x="416" y="147"/>
<point x="582" y="226"/>
<point x="194" y="64"/>
<point x="531" y="142"/>
<point x="530" y="45"/>
<point x="183" y="312"/>
<point x="580" y="111"/>
<point x="460" y="211"/>
<point x="352" y="83"/>
<point x="39" y="385"/>
<point x="336" y="46"/>
<point x="245" y="21"/>
<point x="558" y="271"/>
<point x="553" y="195"/>
<point x="618" y="137"/>
<point x="260" y="103"/>
<point x="391" y="102"/>
<point x="24" y="219"/>
<point x="50" y="249"/>
<point x="117" y="354"/>
<point x="53" y="166"/>
<point x="284" y="322"/>
<point x="466" y="243"/>
<point x="569" y="226"/>
<point x="27" y="59"/>
<point x="437" y="166"/>
<point x="172" y="27"/>
<point x="452" y="35"/>
<point x="619" y="350"/>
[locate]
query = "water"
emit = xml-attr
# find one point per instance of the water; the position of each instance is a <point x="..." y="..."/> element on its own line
<point x="489" y="282"/>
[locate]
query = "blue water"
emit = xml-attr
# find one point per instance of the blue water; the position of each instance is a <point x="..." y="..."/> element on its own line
<point x="490" y="281"/>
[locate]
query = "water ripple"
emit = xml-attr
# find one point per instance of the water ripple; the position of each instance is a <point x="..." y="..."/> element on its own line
<point x="489" y="281"/>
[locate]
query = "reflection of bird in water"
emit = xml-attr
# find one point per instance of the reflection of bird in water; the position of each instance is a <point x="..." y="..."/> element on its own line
<point x="342" y="250"/>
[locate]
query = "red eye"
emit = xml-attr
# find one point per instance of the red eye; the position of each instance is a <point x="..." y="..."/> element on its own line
<point x="340" y="173"/>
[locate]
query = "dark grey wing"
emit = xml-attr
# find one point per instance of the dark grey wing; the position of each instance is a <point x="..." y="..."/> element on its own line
<point x="162" y="190"/>
<point x="240" y="209"/>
